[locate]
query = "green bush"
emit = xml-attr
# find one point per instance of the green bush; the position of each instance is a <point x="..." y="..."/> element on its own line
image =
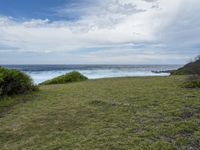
<point x="73" y="76"/>
<point x="192" y="81"/>
<point x="14" y="82"/>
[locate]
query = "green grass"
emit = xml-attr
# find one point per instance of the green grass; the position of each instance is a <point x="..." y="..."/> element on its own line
<point x="192" y="84"/>
<point x="105" y="114"/>
<point x="192" y="81"/>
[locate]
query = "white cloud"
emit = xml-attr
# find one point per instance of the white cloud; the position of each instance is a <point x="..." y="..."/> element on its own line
<point x="108" y="23"/>
<point x="35" y="22"/>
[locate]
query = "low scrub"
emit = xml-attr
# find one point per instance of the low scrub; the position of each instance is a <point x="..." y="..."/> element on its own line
<point x="14" y="82"/>
<point x="67" y="78"/>
<point x="192" y="81"/>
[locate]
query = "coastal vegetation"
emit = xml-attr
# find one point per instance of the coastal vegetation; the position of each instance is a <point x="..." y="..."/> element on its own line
<point x="73" y="76"/>
<point x="190" y="68"/>
<point x="14" y="82"/>
<point x="116" y="113"/>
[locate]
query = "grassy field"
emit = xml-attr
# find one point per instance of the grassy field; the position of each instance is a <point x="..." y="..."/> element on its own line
<point x="105" y="114"/>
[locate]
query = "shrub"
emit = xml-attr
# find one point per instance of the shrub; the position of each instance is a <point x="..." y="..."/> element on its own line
<point x="14" y="82"/>
<point x="73" y="76"/>
<point x="192" y="81"/>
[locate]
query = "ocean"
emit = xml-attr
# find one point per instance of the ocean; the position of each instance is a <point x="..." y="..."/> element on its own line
<point x="40" y="73"/>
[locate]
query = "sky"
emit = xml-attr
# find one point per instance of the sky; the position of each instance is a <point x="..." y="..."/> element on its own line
<point x="99" y="31"/>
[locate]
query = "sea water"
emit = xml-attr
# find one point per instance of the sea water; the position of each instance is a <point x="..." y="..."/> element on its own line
<point x="40" y="73"/>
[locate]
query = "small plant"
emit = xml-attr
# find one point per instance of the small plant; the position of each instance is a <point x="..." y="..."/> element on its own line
<point x="192" y="81"/>
<point x="73" y="76"/>
<point x="14" y="82"/>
